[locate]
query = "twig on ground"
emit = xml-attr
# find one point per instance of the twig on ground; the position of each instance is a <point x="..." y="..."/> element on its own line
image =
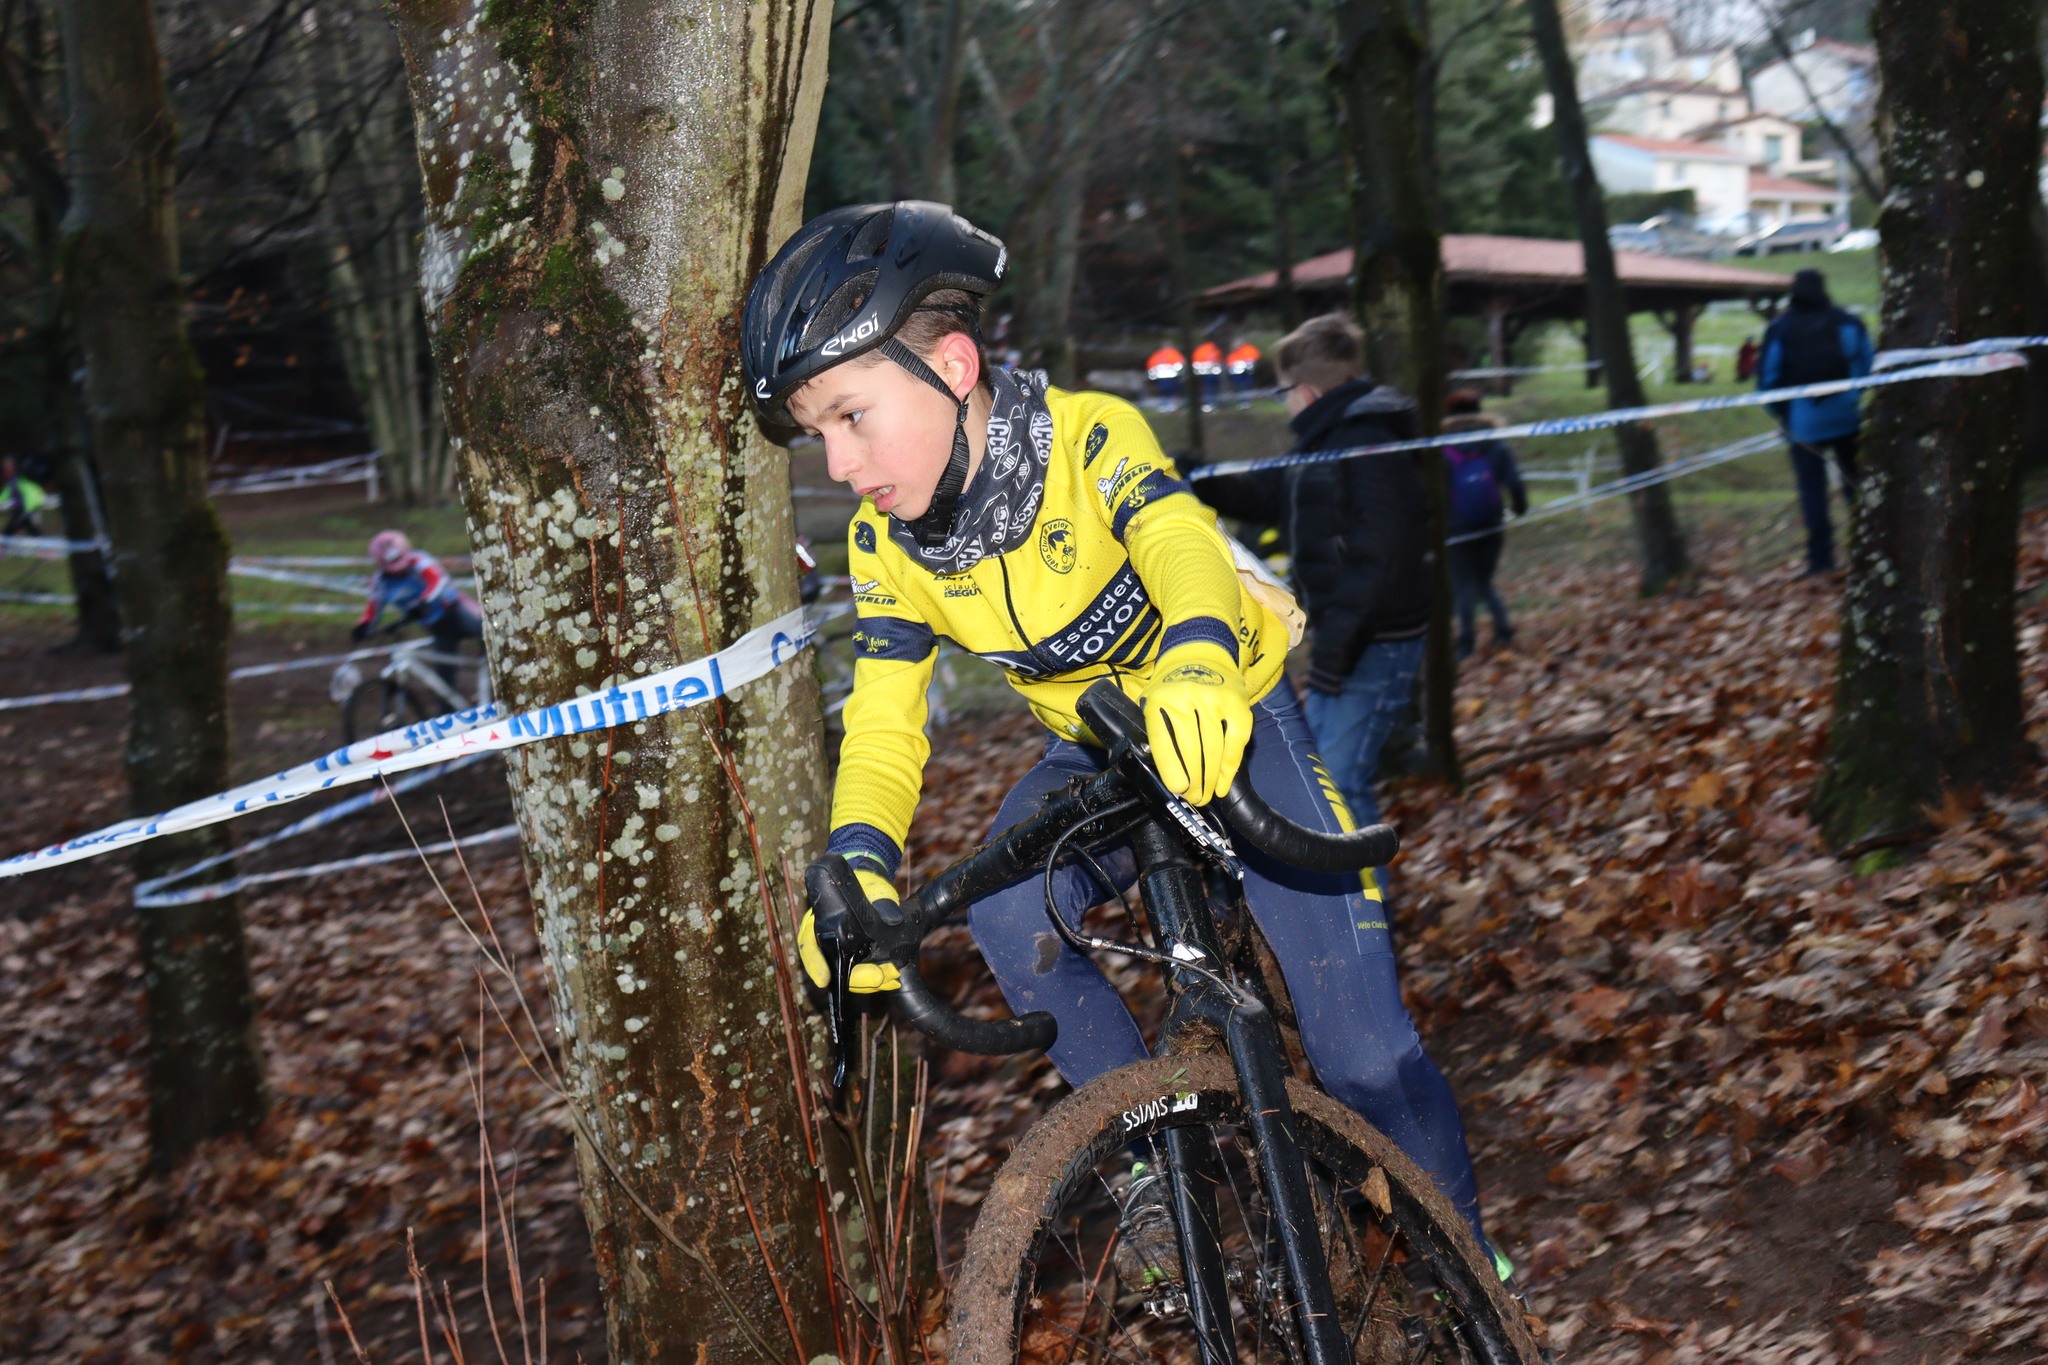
<point x="1546" y="746"/>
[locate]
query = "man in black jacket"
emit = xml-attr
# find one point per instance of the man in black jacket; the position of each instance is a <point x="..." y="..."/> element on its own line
<point x="1358" y="534"/>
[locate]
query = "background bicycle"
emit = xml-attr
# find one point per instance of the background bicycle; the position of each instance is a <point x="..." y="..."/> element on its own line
<point x="415" y="682"/>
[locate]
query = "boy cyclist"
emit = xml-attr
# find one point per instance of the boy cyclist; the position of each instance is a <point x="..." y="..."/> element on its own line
<point x="1046" y="532"/>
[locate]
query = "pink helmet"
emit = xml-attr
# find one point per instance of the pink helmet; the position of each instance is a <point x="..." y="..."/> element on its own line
<point x="389" y="549"/>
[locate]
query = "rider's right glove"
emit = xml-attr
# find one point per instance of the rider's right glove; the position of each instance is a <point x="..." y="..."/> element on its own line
<point x="361" y="632"/>
<point x="1198" y="719"/>
<point x="864" y="978"/>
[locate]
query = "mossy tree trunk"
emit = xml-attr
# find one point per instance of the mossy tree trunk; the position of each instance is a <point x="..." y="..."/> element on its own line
<point x="1397" y="283"/>
<point x="603" y="180"/>
<point x="1927" y="697"/>
<point x="1660" y="545"/>
<point x="28" y="111"/>
<point x="147" y="405"/>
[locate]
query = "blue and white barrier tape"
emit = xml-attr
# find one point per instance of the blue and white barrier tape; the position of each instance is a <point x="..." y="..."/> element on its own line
<point x="242" y="568"/>
<point x="1511" y="371"/>
<point x="104" y="693"/>
<point x="1676" y="469"/>
<point x="111" y="690"/>
<point x="44" y="547"/>
<point x="1921" y="355"/>
<point x="486" y="729"/>
<point x="1966" y="367"/>
<point x="293" y="874"/>
<point x="152" y="895"/>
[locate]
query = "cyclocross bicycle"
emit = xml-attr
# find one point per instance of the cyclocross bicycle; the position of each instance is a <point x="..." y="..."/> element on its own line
<point x="414" y="684"/>
<point x="1300" y="1233"/>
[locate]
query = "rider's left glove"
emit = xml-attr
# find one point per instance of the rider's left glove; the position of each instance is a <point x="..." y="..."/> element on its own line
<point x="863" y="978"/>
<point x="1198" y="719"/>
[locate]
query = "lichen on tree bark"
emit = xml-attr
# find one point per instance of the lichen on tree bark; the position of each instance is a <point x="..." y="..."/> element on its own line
<point x="603" y="180"/>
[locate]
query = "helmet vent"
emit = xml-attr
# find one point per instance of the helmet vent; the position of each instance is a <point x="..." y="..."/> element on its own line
<point x="872" y="239"/>
<point x="840" y="309"/>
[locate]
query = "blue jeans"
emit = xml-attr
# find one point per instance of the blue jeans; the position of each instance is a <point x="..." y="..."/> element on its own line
<point x="1809" y="467"/>
<point x="1351" y="724"/>
<point x="1328" y="933"/>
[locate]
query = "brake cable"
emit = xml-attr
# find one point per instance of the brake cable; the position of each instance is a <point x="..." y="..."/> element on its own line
<point x="1081" y="942"/>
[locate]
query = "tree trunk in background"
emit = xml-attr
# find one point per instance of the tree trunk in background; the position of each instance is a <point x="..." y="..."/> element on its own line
<point x="1659" y="542"/>
<point x="369" y="212"/>
<point x="1927" y="697"/>
<point x="2036" y="453"/>
<point x="38" y="173"/>
<point x="1279" y="169"/>
<point x="99" y="614"/>
<point x="148" y="408"/>
<point x="602" y="185"/>
<point x="1397" y="285"/>
<point x="943" y="123"/>
<point x="1177" y="272"/>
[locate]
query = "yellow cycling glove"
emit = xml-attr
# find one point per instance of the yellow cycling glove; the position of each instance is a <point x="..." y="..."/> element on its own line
<point x="864" y="978"/>
<point x="1198" y="719"/>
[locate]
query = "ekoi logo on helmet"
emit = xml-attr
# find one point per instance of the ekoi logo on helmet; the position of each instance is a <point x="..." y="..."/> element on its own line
<point x="852" y="336"/>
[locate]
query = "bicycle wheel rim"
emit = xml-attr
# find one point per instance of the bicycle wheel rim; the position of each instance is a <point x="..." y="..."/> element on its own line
<point x="1051" y="1207"/>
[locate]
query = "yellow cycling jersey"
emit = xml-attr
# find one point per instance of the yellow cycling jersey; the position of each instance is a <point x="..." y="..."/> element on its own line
<point x="1079" y="554"/>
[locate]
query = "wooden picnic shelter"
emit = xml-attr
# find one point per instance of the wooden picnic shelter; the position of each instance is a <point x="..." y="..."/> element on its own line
<point x="1512" y="282"/>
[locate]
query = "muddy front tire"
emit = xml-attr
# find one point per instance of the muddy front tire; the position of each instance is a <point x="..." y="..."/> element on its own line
<point x="1041" y="1280"/>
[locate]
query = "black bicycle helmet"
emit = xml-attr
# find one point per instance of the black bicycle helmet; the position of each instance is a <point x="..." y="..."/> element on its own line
<point x="841" y="287"/>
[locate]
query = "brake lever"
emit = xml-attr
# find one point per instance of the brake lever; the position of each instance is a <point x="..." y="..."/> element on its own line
<point x="842" y="953"/>
<point x="1120" y="722"/>
<point x="1198" y="825"/>
<point x="852" y="930"/>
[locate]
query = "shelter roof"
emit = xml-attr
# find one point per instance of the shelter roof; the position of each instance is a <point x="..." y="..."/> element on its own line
<point x="1526" y="262"/>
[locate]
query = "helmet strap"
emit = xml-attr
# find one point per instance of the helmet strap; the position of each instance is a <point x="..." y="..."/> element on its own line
<point x="933" y="528"/>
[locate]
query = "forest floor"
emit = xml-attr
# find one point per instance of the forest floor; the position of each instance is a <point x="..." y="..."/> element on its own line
<point x="1730" y="1099"/>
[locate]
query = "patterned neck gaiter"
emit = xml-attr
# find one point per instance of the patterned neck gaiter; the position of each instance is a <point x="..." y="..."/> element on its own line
<point x="997" y="508"/>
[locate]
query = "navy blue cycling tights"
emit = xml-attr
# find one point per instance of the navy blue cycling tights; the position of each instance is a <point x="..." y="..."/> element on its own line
<point x="1331" y="941"/>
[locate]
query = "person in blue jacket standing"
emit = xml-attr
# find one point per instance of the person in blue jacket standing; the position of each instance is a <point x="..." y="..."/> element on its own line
<point x="1810" y="342"/>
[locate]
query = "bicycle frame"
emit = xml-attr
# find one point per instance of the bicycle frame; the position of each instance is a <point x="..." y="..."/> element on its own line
<point x="1183" y="921"/>
<point x="411" y="665"/>
<point x="1167" y="836"/>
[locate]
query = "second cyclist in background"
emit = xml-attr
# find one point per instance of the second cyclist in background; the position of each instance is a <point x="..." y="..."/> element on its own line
<point x="414" y="583"/>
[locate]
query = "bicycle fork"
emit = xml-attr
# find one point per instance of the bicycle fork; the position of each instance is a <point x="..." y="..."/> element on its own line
<point x="1173" y="888"/>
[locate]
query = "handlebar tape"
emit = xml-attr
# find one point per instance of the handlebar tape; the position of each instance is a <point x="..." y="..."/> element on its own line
<point x="845" y="914"/>
<point x="917" y="1006"/>
<point x="1116" y="720"/>
<point x="1312" y="850"/>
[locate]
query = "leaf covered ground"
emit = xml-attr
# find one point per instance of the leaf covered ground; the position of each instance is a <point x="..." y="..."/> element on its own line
<point x="1730" y="1099"/>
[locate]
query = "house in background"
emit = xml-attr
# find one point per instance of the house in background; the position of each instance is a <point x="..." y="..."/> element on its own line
<point x="1671" y="119"/>
<point x="1615" y="54"/>
<point x="1665" y="109"/>
<point x="1717" y="176"/>
<point x="1777" y="199"/>
<point x="1842" y="78"/>
<point x="1773" y="144"/>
